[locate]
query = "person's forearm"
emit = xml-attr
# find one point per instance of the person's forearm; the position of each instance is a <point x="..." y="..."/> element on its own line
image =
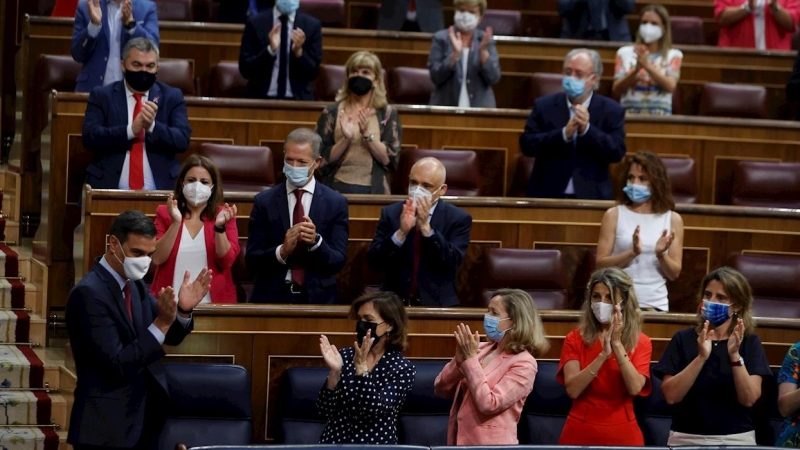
<point x="747" y="389"/>
<point x="223" y="245"/>
<point x="165" y="244"/>
<point x="577" y="383"/>
<point x="634" y="381"/>
<point x="789" y="403"/>
<point x="618" y="260"/>
<point x="783" y="18"/>
<point x="378" y="151"/>
<point x="676" y="388"/>
<point x="732" y="15"/>
<point x="666" y="83"/>
<point x="621" y="85"/>
<point x="670" y="267"/>
<point x="338" y="149"/>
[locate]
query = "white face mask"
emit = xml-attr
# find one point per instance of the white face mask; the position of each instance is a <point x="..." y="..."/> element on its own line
<point x="196" y="193"/>
<point x="416" y="192"/>
<point x="465" y="21"/>
<point x="603" y="311"/>
<point x="135" y="268"/>
<point x="650" y="33"/>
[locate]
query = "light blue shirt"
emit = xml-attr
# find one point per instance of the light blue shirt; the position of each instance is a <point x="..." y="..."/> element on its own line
<point x="114" y="20"/>
<point x="153" y="329"/>
<point x="273" y="84"/>
<point x="570" y="190"/>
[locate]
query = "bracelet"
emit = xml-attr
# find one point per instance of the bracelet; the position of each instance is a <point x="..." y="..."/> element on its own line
<point x="219" y="229"/>
<point x="183" y="311"/>
<point x="594" y="374"/>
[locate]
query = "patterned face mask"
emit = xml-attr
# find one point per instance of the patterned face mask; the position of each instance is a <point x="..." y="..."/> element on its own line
<point x="715" y="313"/>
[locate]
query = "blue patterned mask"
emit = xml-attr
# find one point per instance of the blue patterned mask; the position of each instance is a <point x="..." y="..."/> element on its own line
<point x="637" y="193"/>
<point x="715" y="313"/>
<point x="287" y="6"/>
<point x="490" y="324"/>
<point x="574" y="87"/>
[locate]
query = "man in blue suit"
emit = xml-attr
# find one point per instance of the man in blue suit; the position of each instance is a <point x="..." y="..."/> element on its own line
<point x="575" y="135"/>
<point x="281" y="52"/>
<point x="298" y="231"/>
<point x="117" y="330"/>
<point x="135" y="127"/>
<point x="102" y="29"/>
<point x="421" y="242"/>
<point x="596" y="20"/>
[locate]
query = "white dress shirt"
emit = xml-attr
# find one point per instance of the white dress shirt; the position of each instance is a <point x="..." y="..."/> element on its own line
<point x="570" y="190"/>
<point x="273" y="84"/>
<point x="124" y="177"/>
<point x="115" y="30"/>
<point x="308" y="196"/>
<point x="759" y="24"/>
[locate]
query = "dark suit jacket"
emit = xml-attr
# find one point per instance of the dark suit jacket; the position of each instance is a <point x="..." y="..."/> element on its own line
<point x="430" y="17"/>
<point x="793" y="86"/>
<point x="236" y="11"/>
<point x="105" y="134"/>
<point x="269" y="221"/>
<point x="93" y="52"/>
<point x="255" y="62"/>
<point x="587" y="161"/>
<point x="577" y="21"/>
<point x="441" y="254"/>
<point x="117" y="361"/>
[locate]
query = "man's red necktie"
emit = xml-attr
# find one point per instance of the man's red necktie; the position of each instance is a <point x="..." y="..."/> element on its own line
<point x="136" y="163"/>
<point x="298" y="270"/>
<point x="412" y="6"/>
<point x="128" y="299"/>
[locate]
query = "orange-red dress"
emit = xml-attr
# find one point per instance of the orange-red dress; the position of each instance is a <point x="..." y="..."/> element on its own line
<point x="603" y="413"/>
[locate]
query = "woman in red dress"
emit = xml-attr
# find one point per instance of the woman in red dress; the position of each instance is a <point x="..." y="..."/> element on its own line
<point x="605" y="363"/>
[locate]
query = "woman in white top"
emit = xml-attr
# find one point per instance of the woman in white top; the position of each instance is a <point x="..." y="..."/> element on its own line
<point x="463" y="62"/>
<point x="642" y="235"/>
<point x="646" y="74"/>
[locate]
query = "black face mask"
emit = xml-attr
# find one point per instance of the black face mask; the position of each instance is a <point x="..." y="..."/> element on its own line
<point x="140" y="81"/>
<point x="359" y="85"/>
<point x="361" y="331"/>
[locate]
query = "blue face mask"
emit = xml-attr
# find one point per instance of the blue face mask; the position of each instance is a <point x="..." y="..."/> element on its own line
<point x="490" y="324"/>
<point x="573" y="87"/>
<point x="296" y="175"/>
<point x="637" y="193"/>
<point x="287" y="6"/>
<point x="715" y="313"/>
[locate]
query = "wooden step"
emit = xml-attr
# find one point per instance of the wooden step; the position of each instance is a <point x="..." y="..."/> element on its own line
<point x="35" y="273"/>
<point x="10" y="182"/>
<point x="59" y="412"/>
<point x="38" y="334"/>
<point x="12" y="229"/>
<point x="62" y="439"/>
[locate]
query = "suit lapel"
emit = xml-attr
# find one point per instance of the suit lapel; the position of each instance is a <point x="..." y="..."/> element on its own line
<point x="281" y="203"/>
<point x="118" y="299"/>
<point x="155" y="94"/>
<point x="595" y="109"/>
<point x="120" y="103"/>
<point x="317" y="205"/>
<point x="104" y="29"/>
<point x="137" y="303"/>
<point x="562" y="109"/>
<point x="439" y="217"/>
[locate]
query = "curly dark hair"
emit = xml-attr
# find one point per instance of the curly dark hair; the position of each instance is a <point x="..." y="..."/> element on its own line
<point x="660" y="186"/>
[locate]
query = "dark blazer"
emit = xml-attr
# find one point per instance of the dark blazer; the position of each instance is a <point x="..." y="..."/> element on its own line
<point x="430" y="17"/>
<point x="93" y="52"/>
<point x="255" y="62"/>
<point x="585" y="161"/>
<point x="105" y="134"/>
<point x="793" y="86"/>
<point x="441" y="254"/>
<point x="577" y="21"/>
<point x="480" y="77"/>
<point x="237" y="11"/>
<point x="269" y="221"/>
<point x="117" y="361"/>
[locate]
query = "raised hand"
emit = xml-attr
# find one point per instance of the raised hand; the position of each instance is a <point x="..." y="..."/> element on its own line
<point x="148" y="113"/>
<point x="348" y="126"/>
<point x="455" y="41"/>
<point x="408" y="217"/>
<point x="298" y="38"/>
<point x="275" y="37"/>
<point x="616" y="325"/>
<point x="487" y="39"/>
<point x="582" y="117"/>
<point x="467" y="341"/>
<point x="191" y="293"/>
<point x="422" y="213"/>
<point x="363" y="119"/>
<point x="605" y="338"/>
<point x="308" y="231"/>
<point x="362" y="351"/>
<point x="290" y="241"/>
<point x="642" y="56"/>
<point x="225" y="215"/>
<point x="637" y="243"/>
<point x="172" y="209"/>
<point x="571" y="128"/>
<point x="127" y="12"/>
<point x="331" y="356"/>
<point x="664" y="242"/>
<point x="704" y="341"/>
<point x="735" y="339"/>
<point x="95" y="12"/>
<point x="167" y="309"/>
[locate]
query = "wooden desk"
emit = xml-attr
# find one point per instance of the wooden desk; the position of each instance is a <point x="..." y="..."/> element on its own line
<point x="268" y="339"/>
<point x="716" y="145"/>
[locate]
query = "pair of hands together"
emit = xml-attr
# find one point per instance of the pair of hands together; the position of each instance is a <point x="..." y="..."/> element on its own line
<point x="348" y="123"/>
<point x="706" y="337"/>
<point x="225" y="215"/>
<point x="578" y="122"/>
<point x="612" y="337"/>
<point x="333" y="359"/>
<point x="458" y="44"/>
<point x="304" y="231"/>
<point x="189" y="295"/>
<point x="297" y="38"/>
<point x="662" y="245"/>
<point x="412" y="217"/>
<point x="96" y="13"/>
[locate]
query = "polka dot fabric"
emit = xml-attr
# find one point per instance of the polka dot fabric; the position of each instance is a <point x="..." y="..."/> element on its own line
<point x="364" y="409"/>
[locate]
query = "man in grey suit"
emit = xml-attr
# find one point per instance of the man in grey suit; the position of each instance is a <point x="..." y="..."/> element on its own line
<point x="597" y="20"/>
<point x="411" y="15"/>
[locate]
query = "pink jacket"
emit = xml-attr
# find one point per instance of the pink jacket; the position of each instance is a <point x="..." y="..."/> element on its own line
<point x="491" y="397"/>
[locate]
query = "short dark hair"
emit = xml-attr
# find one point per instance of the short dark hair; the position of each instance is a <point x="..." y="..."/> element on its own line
<point x="132" y="222"/>
<point x="142" y="44"/>
<point x="392" y="310"/>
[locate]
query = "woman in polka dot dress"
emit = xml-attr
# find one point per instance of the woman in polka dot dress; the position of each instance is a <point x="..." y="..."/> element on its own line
<point x="368" y="382"/>
<point x="490" y="381"/>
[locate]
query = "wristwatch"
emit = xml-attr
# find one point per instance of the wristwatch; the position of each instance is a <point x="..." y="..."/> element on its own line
<point x="739" y="363"/>
<point x="130" y="25"/>
<point x="369" y="138"/>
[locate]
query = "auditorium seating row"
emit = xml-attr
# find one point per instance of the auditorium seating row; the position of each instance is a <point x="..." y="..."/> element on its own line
<point x="424" y="417"/>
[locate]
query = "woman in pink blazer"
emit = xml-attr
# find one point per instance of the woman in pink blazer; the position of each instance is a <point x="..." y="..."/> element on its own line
<point x="195" y="230"/>
<point x="490" y="381"/>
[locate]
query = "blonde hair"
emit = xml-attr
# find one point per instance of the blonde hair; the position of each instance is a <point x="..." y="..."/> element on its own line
<point x="481" y="4"/>
<point x="621" y="287"/>
<point x="527" y="332"/>
<point x="665" y="43"/>
<point x="365" y="60"/>
<point x="739" y="292"/>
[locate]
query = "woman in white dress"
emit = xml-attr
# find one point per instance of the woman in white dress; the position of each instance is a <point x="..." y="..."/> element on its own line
<point x="642" y="234"/>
